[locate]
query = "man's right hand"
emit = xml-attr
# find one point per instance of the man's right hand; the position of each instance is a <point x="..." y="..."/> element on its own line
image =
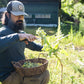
<point x="29" y="37"/>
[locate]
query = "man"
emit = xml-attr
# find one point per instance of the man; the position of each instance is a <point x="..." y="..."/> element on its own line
<point x="12" y="44"/>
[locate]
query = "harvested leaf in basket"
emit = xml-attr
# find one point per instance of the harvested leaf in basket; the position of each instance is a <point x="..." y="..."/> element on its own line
<point x="31" y="64"/>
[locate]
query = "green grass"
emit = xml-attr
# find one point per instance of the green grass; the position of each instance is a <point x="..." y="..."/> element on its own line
<point x="49" y="31"/>
<point x="73" y="72"/>
<point x="82" y="25"/>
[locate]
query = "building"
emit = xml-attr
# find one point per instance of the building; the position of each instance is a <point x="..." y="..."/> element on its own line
<point x="42" y="12"/>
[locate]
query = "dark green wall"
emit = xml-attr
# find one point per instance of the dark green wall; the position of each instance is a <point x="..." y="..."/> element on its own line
<point x="33" y="8"/>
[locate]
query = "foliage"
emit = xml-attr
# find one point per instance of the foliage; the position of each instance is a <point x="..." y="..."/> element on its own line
<point x="82" y="1"/>
<point x="82" y="26"/>
<point x="3" y="3"/>
<point x="53" y="45"/>
<point x="31" y="65"/>
<point x="72" y="69"/>
<point x="78" y="10"/>
<point x="73" y="8"/>
<point x="59" y="44"/>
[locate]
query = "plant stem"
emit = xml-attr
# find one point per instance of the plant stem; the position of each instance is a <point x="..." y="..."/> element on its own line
<point x="61" y="68"/>
<point x="42" y="41"/>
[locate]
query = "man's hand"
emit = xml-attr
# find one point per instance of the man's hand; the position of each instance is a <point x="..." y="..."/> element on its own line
<point x="29" y="37"/>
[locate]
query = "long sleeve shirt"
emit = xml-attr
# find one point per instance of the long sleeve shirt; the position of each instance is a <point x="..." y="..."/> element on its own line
<point x="12" y="49"/>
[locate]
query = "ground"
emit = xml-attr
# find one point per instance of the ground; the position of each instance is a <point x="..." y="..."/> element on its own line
<point x="73" y="62"/>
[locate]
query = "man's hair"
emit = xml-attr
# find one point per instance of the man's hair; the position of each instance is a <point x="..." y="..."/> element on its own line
<point x="4" y="18"/>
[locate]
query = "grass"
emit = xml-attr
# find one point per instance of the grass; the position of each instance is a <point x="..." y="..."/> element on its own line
<point x="82" y="25"/>
<point x="32" y="30"/>
<point x="73" y="63"/>
<point x="72" y="67"/>
<point x="73" y="72"/>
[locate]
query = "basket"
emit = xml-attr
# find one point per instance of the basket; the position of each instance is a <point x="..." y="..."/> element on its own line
<point x="30" y="71"/>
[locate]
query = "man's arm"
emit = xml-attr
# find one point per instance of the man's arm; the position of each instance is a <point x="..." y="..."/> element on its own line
<point x="34" y="46"/>
<point x="7" y="41"/>
<point x="29" y="38"/>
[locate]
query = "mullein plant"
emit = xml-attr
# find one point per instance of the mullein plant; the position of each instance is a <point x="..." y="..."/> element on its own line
<point x="53" y="44"/>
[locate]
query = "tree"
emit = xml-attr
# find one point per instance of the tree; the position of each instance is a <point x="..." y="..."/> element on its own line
<point x="3" y="3"/>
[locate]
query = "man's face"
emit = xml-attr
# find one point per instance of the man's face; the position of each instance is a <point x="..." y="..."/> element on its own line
<point x="16" y="18"/>
<point x="16" y="23"/>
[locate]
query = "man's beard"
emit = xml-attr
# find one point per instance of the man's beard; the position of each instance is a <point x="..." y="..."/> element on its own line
<point x="17" y="26"/>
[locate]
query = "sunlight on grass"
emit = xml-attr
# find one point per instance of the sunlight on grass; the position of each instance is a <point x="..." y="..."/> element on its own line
<point x="32" y="30"/>
<point x="82" y="25"/>
<point x="51" y="32"/>
<point x="72" y="69"/>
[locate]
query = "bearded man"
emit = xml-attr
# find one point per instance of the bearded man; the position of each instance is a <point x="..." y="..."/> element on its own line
<point x="13" y="41"/>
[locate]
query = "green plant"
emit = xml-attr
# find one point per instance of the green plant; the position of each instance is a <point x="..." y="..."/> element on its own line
<point x="72" y="7"/>
<point x="31" y="64"/>
<point x="53" y="44"/>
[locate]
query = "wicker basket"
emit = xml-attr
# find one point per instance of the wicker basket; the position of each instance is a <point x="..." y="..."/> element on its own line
<point x="30" y="71"/>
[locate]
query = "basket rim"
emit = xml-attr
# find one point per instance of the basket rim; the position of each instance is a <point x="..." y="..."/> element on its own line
<point x="33" y="59"/>
<point x="30" y="71"/>
<point x="37" y="66"/>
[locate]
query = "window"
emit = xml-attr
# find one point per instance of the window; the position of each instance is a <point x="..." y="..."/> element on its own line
<point x="42" y="15"/>
<point x="29" y="16"/>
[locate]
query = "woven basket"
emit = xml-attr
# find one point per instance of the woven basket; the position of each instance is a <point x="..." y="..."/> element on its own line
<point x="30" y="71"/>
